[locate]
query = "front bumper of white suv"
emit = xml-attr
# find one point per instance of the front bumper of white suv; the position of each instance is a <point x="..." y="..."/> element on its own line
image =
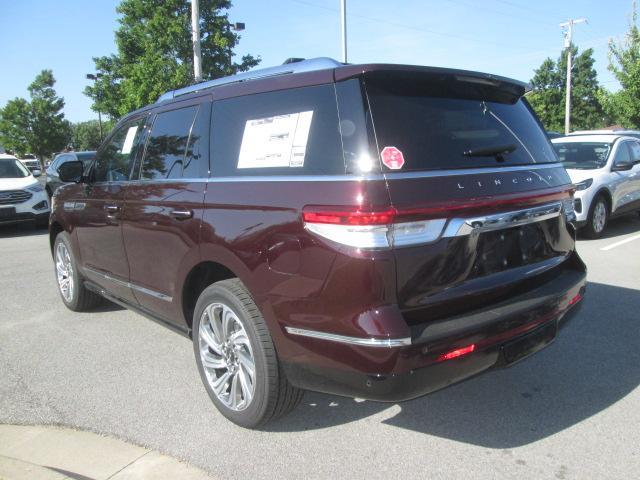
<point x="24" y="205"/>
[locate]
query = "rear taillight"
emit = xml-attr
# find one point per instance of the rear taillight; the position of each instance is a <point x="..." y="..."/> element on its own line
<point x="372" y="229"/>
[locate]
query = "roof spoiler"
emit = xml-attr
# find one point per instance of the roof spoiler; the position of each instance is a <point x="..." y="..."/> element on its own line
<point x="292" y="65"/>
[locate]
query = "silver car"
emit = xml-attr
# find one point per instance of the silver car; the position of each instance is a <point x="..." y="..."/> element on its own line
<point x="606" y="171"/>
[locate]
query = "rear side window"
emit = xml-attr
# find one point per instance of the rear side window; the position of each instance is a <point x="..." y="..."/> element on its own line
<point x="288" y="132"/>
<point x="165" y="151"/>
<point x="635" y="151"/>
<point x="436" y="126"/>
<point x="114" y="161"/>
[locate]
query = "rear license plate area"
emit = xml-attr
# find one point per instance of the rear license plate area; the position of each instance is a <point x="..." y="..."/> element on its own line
<point x="7" y="212"/>
<point x="530" y="343"/>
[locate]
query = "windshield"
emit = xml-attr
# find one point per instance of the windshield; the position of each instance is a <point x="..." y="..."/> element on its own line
<point x="438" y="127"/>
<point x="11" y="168"/>
<point x="583" y="155"/>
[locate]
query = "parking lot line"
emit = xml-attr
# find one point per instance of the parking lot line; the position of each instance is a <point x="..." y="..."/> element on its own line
<point x="621" y="242"/>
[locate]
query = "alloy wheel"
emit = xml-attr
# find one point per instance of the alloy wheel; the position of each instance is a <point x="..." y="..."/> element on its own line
<point x="64" y="271"/>
<point x="227" y="356"/>
<point x="599" y="217"/>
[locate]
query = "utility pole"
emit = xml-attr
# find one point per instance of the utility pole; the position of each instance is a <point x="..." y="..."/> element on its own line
<point x="195" y="37"/>
<point x="568" y="39"/>
<point x="343" y="24"/>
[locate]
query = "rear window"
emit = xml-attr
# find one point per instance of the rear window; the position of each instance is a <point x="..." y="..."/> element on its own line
<point x="288" y="132"/>
<point x="583" y="155"/>
<point x="436" y="126"/>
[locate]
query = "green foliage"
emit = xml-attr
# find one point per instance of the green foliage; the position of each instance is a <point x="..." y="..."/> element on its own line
<point x="155" y="53"/>
<point x="86" y="135"/>
<point x="624" y="62"/>
<point x="38" y="126"/>
<point x="549" y="92"/>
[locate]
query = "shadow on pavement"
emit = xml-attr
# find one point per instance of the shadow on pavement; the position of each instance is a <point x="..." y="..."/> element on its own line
<point x="26" y="229"/>
<point x="593" y="364"/>
<point x="619" y="226"/>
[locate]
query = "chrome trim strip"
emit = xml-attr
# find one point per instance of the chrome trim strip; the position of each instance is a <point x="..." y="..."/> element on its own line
<point x="342" y="178"/>
<point x="366" y="342"/>
<point x="459" y="227"/>
<point x="122" y="283"/>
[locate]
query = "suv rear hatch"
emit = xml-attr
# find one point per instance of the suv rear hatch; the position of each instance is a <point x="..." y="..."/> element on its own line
<point x="466" y="159"/>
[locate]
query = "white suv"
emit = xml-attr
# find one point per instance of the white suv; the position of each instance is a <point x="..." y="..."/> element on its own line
<point x="606" y="171"/>
<point x="22" y="197"/>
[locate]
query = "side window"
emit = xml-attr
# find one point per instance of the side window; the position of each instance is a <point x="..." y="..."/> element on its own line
<point x="113" y="162"/>
<point x="165" y="152"/>
<point x="288" y="132"/>
<point x="196" y="160"/>
<point x="635" y="151"/>
<point x="622" y="154"/>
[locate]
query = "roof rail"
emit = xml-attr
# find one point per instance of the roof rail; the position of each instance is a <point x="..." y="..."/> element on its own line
<point x="320" y="63"/>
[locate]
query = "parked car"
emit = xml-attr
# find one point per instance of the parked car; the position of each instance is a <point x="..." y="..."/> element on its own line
<point x="374" y="231"/>
<point x="22" y="198"/>
<point x="53" y="179"/>
<point x="621" y="132"/>
<point x="606" y="171"/>
<point x="31" y="162"/>
<point x="552" y="134"/>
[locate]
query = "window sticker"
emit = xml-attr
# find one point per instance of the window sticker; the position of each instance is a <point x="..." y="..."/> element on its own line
<point x="128" y="141"/>
<point x="279" y="141"/>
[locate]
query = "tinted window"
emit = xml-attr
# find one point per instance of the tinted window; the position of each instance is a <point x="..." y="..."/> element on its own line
<point x="438" y="125"/>
<point x="583" y="155"/>
<point x="113" y="162"/>
<point x="165" y="151"/>
<point x="196" y="160"/>
<point x="622" y="154"/>
<point x="635" y="151"/>
<point x="289" y="132"/>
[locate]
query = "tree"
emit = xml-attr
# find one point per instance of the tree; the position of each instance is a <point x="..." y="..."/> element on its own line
<point x="86" y="135"/>
<point x="155" y="53"/>
<point x="548" y="95"/>
<point x="38" y="126"/>
<point x="624" y="63"/>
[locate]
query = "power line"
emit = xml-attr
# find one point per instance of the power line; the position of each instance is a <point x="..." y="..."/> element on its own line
<point x="411" y="27"/>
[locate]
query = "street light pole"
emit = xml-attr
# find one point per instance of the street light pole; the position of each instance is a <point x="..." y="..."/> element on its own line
<point x="236" y="27"/>
<point x="568" y="39"/>
<point x="195" y="37"/>
<point x="343" y="27"/>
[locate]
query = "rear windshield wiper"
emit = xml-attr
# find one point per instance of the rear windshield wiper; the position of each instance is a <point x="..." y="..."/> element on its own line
<point x="497" y="151"/>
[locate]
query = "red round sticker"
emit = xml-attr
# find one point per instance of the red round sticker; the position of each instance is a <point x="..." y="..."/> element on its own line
<point x="392" y="158"/>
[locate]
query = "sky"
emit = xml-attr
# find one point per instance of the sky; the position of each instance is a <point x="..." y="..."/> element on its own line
<point x="504" y="37"/>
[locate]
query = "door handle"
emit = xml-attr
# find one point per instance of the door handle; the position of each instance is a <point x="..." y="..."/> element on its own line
<point x="182" y="214"/>
<point x="112" y="209"/>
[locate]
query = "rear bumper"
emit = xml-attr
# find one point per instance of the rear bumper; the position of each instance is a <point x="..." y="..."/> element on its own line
<point x="502" y="335"/>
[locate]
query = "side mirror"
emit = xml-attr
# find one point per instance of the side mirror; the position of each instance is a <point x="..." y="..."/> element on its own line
<point x="622" y="167"/>
<point x="71" y="171"/>
<point x="36" y="173"/>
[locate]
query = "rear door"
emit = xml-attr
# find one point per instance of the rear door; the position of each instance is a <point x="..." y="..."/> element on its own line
<point x="161" y="225"/>
<point x="470" y="170"/>
<point x="99" y="208"/>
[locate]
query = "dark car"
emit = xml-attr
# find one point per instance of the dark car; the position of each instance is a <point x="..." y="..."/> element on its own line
<point x="374" y="231"/>
<point x="53" y="178"/>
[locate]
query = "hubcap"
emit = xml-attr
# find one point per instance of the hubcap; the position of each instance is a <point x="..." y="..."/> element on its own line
<point x="227" y="356"/>
<point x="64" y="271"/>
<point x="599" y="217"/>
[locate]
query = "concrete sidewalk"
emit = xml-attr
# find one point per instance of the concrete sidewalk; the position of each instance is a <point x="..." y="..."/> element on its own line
<point x="54" y="453"/>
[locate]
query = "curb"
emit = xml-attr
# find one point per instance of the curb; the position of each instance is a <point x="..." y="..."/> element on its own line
<point x="55" y="453"/>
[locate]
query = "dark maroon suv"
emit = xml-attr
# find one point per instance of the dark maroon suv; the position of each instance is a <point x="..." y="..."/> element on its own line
<point x="375" y="231"/>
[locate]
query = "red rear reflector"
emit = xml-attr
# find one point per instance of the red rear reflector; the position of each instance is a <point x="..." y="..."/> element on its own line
<point x="355" y="217"/>
<point x="575" y="300"/>
<point x="457" y="353"/>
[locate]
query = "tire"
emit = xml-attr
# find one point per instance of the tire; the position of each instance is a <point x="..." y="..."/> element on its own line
<point x="78" y="299"/>
<point x="597" y="218"/>
<point x="247" y="402"/>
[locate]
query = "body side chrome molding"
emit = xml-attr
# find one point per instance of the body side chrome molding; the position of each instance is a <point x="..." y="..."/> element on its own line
<point x="458" y="227"/>
<point x="366" y="342"/>
<point x="138" y="288"/>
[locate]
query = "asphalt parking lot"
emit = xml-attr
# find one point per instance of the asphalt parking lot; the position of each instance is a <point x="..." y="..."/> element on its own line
<point x="571" y="411"/>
